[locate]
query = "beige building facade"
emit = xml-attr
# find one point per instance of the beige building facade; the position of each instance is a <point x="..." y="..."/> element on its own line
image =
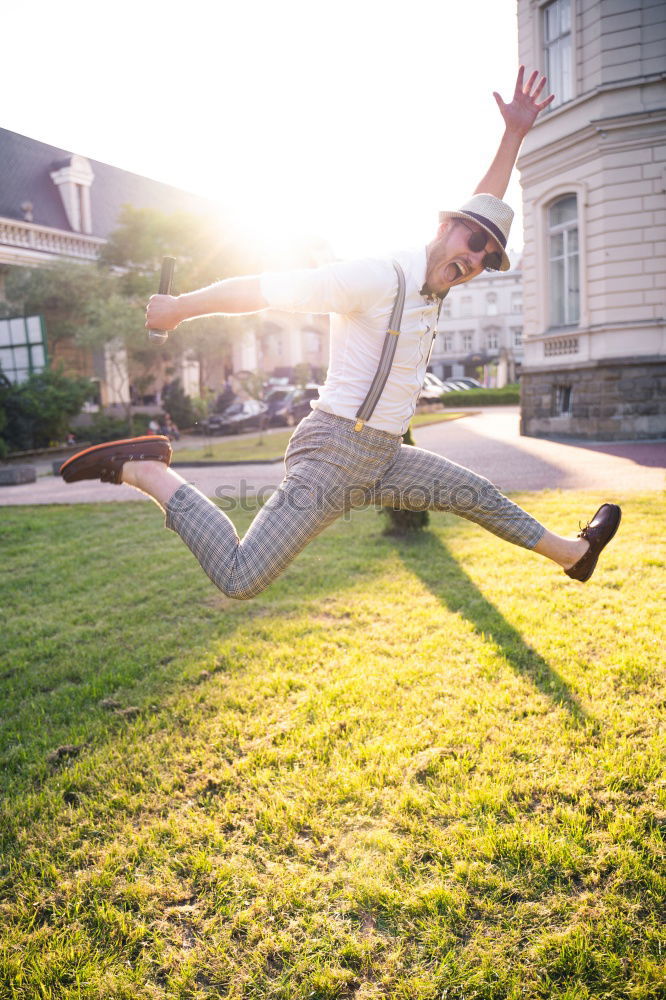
<point x="480" y="329"/>
<point x="593" y="172"/>
<point x="277" y="342"/>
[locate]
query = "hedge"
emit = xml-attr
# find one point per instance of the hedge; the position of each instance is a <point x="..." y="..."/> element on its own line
<point x="508" y="396"/>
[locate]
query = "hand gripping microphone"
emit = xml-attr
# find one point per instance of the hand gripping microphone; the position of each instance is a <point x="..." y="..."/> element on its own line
<point x="166" y="278"/>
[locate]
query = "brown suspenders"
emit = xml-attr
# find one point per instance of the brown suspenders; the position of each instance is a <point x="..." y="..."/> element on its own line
<point x="368" y="405"/>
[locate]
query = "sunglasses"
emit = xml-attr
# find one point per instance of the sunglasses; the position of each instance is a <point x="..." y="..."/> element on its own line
<point x="477" y="241"/>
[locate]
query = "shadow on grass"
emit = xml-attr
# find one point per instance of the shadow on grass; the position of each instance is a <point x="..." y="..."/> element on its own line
<point x="111" y="626"/>
<point x="119" y="630"/>
<point x="430" y="560"/>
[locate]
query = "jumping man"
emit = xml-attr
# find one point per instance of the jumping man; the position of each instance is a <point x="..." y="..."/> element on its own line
<point x="349" y="450"/>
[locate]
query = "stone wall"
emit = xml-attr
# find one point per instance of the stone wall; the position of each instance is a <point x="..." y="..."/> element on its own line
<point x="609" y="401"/>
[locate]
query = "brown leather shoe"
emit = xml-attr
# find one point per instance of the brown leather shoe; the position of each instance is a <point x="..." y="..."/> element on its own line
<point x="105" y="461"/>
<point x="598" y="532"/>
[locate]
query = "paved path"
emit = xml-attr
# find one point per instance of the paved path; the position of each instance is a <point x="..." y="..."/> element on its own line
<point x="487" y="442"/>
<point x="490" y="443"/>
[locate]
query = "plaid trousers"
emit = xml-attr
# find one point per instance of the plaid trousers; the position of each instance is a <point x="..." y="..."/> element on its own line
<point x="331" y="469"/>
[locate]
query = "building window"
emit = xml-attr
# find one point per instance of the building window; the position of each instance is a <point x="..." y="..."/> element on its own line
<point x="466" y="305"/>
<point x="492" y="340"/>
<point x="517" y="332"/>
<point x="563" y="262"/>
<point x="466" y="342"/>
<point x="446" y="309"/>
<point x="563" y="399"/>
<point x="313" y="342"/>
<point x="22" y="347"/>
<point x="491" y="304"/>
<point x="447" y="343"/>
<point x="557" y="50"/>
<point x="516" y="302"/>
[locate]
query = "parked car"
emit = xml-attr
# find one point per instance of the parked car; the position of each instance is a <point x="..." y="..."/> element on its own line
<point x="457" y="385"/>
<point x="288" y="404"/>
<point x="433" y="388"/>
<point x="430" y="393"/>
<point x="471" y="383"/>
<point x="243" y="415"/>
<point x="433" y="382"/>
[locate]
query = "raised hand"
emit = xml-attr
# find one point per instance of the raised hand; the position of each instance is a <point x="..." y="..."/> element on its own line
<point x="519" y="116"/>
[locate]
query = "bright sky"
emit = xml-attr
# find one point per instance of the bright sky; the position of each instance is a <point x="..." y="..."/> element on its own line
<point x="355" y="120"/>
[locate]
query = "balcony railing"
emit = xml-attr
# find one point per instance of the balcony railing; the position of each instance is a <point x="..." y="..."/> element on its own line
<point x="40" y="239"/>
<point x="560" y="345"/>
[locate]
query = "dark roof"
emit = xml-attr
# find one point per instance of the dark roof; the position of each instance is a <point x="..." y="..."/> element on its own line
<point x="25" y="168"/>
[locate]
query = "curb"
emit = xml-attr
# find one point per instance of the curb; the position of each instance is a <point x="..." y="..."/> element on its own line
<point x="211" y="465"/>
<point x="17" y="475"/>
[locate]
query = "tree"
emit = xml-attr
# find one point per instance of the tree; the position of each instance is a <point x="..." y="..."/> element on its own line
<point x="253" y="384"/>
<point x="62" y="293"/>
<point x="177" y="404"/>
<point x="405" y="522"/>
<point x="102" y="308"/>
<point x="204" y="247"/>
<point x="115" y="324"/>
<point x="206" y="252"/>
<point x="85" y="305"/>
<point x="36" y="413"/>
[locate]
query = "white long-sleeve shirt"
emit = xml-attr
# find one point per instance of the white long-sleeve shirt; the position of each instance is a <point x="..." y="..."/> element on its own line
<point x="359" y="296"/>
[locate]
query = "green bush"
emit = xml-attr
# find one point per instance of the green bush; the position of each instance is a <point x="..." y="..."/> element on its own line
<point x="178" y="405"/>
<point x="508" y="396"/>
<point x="104" y="428"/>
<point x="36" y="413"/>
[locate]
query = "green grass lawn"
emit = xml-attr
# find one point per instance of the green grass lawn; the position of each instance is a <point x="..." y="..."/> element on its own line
<point x="238" y="448"/>
<point x="424" y="770"/>
<point x="433" y="417"/>
<point x="269" y="447"/>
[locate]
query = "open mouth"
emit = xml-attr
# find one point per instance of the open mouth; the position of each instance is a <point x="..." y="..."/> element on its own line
<point x="455" y="270"/>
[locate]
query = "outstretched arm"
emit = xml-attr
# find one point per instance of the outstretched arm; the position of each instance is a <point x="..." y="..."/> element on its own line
<point x="232" y="296"/>
<point x="519" y="117"/>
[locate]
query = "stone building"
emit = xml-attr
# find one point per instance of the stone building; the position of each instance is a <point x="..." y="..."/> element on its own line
<point x="480" y="329"/>
<point x="593" y="171"/>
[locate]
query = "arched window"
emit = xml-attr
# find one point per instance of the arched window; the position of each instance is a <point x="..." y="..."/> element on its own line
<point x="563" y="262"/>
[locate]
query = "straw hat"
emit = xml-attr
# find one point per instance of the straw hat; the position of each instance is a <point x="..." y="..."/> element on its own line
<point x="494" y="215"/>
